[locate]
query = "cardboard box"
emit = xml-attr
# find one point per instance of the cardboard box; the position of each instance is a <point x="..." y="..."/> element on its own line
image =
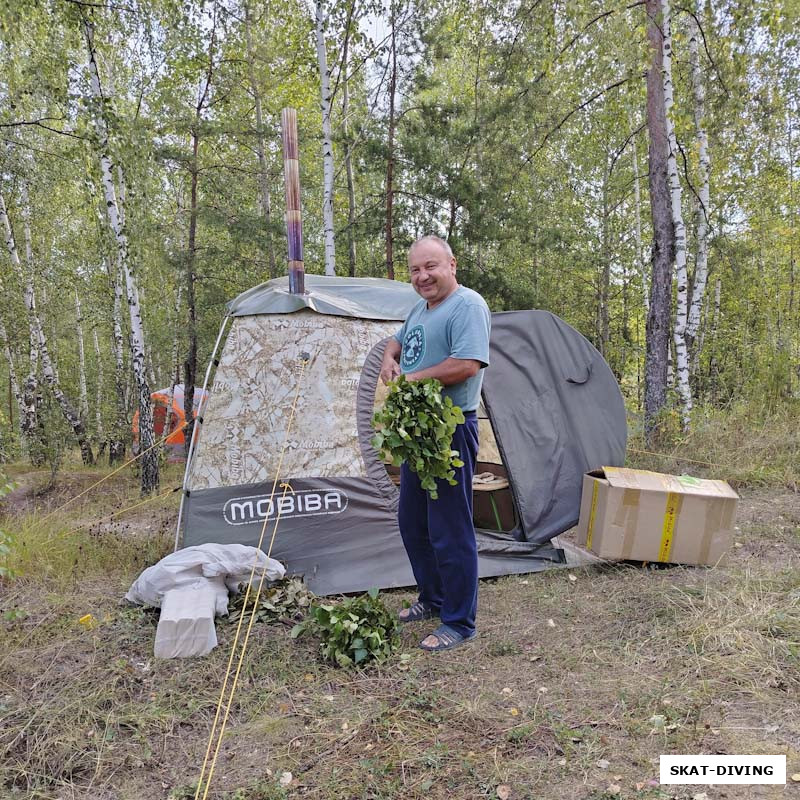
<point x="646" y="516"/>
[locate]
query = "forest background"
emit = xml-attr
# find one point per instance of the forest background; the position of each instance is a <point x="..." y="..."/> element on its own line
<point x="631" y="167"/>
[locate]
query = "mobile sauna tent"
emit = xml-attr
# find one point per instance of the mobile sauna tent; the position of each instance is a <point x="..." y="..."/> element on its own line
<point x="293" y="397"/>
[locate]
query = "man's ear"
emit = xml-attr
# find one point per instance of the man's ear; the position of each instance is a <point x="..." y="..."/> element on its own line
<point x="453" y="264"/>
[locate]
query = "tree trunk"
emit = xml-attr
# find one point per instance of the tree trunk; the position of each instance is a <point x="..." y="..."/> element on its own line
<point x="604" y="326"/>
<point x="703" y="194"/>
<point x="263" y="172"/>
<point x="98" y="397"/>
<point x="682" y="280"/>
<point x="390" y="153"/>
<point x="116" y="447"/>
<point x="327" y="143"/>
<point x="31" y="424"/>
<point x="12" y="381"/>
<point x="149" y="471"/>
<point x="83" y="399"/>
<point x="348" y="151"/>
<point x="48" y="369"/>
<point x="658" y="316"/>
<point x="637" y="204"/>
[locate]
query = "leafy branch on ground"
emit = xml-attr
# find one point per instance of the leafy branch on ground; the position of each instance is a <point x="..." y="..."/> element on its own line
<point x="288" y="598"/>
<point x="354" y="632"/>
<point x="416" y="425"/>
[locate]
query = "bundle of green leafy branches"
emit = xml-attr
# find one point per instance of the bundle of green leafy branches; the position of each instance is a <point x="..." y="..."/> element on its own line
<point x="416" y="425"/>
<point x="354" y="632"/>
<point x="288" y="598"/>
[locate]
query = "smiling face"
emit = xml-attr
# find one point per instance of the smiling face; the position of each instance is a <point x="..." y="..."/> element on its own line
<point x="432" y="270"/>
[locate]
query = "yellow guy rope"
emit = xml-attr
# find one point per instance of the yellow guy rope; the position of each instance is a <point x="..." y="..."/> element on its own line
<point x="112" y="473"/>
<point x="121" y="511"/>
<point x="209" y="776"/>
<point x="677" y="458"/>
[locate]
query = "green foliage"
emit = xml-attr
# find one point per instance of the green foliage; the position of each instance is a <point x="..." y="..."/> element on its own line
<point x="355" y="632"/>
<point x="286" y="598"/>
<point x="7" y="539"/>
<point x="416" y="425"/>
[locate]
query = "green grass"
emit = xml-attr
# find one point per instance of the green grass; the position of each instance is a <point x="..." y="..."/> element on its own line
<point x="742" y="444"/>
<point x="635" y="663"/>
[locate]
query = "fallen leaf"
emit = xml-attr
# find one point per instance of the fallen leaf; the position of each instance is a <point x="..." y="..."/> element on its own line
<point x="573" y="578"/>
<point x="514" y="712"/>
<point x="551" y="623"/>
<point x="503" y="791"/>
<point x="543" y="690"/>
<point x="700" y="796"/>
<point x="603" y="764"/>
<point x="562" y="762"/>
<point x="506" y="690"/>
<point x="613" y="788"/>
<point x="796" y="777"/>
<point x="617" y="777"/>
<point x="639" y="785"/>
<point x="308" y="677"/>
<point x="534" y="658"/>
<point x="285" y="779"/>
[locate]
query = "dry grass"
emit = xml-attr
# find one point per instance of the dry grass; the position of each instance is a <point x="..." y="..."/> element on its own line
<point x="576" y="683"/>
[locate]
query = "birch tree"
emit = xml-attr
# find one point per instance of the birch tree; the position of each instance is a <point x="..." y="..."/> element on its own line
<point x="48" y="368"/>
<point x="703" y="198"/>
<point x="149" y="471"/>
<point x="679" y="236"/>
<point x="327" y="141"/>
<point x="83" y="395"/>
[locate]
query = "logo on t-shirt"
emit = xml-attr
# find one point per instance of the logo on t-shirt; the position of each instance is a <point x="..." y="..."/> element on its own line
<point x="413" y="348"/>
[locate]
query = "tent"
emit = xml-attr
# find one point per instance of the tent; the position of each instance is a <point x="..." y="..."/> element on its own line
<point x="292" y="401"/>
<point x="175" y="441"/>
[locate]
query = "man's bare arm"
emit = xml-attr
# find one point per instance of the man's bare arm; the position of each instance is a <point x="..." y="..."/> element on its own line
<point x="449" y="371"/>
<point x="390" y="366"/>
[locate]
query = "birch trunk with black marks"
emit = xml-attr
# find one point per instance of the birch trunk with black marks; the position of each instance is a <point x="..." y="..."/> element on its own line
<point x="32" y="395"/>
<point x="327" y="143"/>
<point x="659" y="313"/>
<point x="390" y="152"/>
<point x="48" y="369"/>
<point x="681" y="274"/>
<point x="98" y="396"/>
<point x="348" y="152"/>
<point x="83" y="397"/>
<point x="703" y="198"/>
<point x="116" y="445"/>
<point x="149" y="465"/>
<point x="263" y="172"/>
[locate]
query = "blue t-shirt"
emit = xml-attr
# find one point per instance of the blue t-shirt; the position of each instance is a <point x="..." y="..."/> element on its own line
<point x="457" y="328"/>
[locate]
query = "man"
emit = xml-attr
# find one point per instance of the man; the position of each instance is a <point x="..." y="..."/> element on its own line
<point x="446" y="336"/>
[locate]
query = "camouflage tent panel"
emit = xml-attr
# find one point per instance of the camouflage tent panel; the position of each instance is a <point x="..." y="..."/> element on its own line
<point x="260" y="383"/>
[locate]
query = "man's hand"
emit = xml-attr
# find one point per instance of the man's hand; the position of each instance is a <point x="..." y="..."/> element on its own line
<point x="390" y="368"/>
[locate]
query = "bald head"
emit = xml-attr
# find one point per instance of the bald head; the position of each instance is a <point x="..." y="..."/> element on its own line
<point x="431" y="239"/>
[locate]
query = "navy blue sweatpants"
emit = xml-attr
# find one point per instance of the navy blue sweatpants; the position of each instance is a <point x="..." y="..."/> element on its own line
<point x="439" y="536"/>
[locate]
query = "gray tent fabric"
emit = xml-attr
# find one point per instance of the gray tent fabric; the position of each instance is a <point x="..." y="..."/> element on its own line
<point x="364" y="298"/>
<point x="553" y="404"/>
<point x="557" y="412"/>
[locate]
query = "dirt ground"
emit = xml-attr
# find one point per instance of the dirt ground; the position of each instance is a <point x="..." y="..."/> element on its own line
<point x="578" y="680"/>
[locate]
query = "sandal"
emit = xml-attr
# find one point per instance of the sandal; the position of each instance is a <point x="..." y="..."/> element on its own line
<point x="447" y="639"/>
<point x="417" y="612"/>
